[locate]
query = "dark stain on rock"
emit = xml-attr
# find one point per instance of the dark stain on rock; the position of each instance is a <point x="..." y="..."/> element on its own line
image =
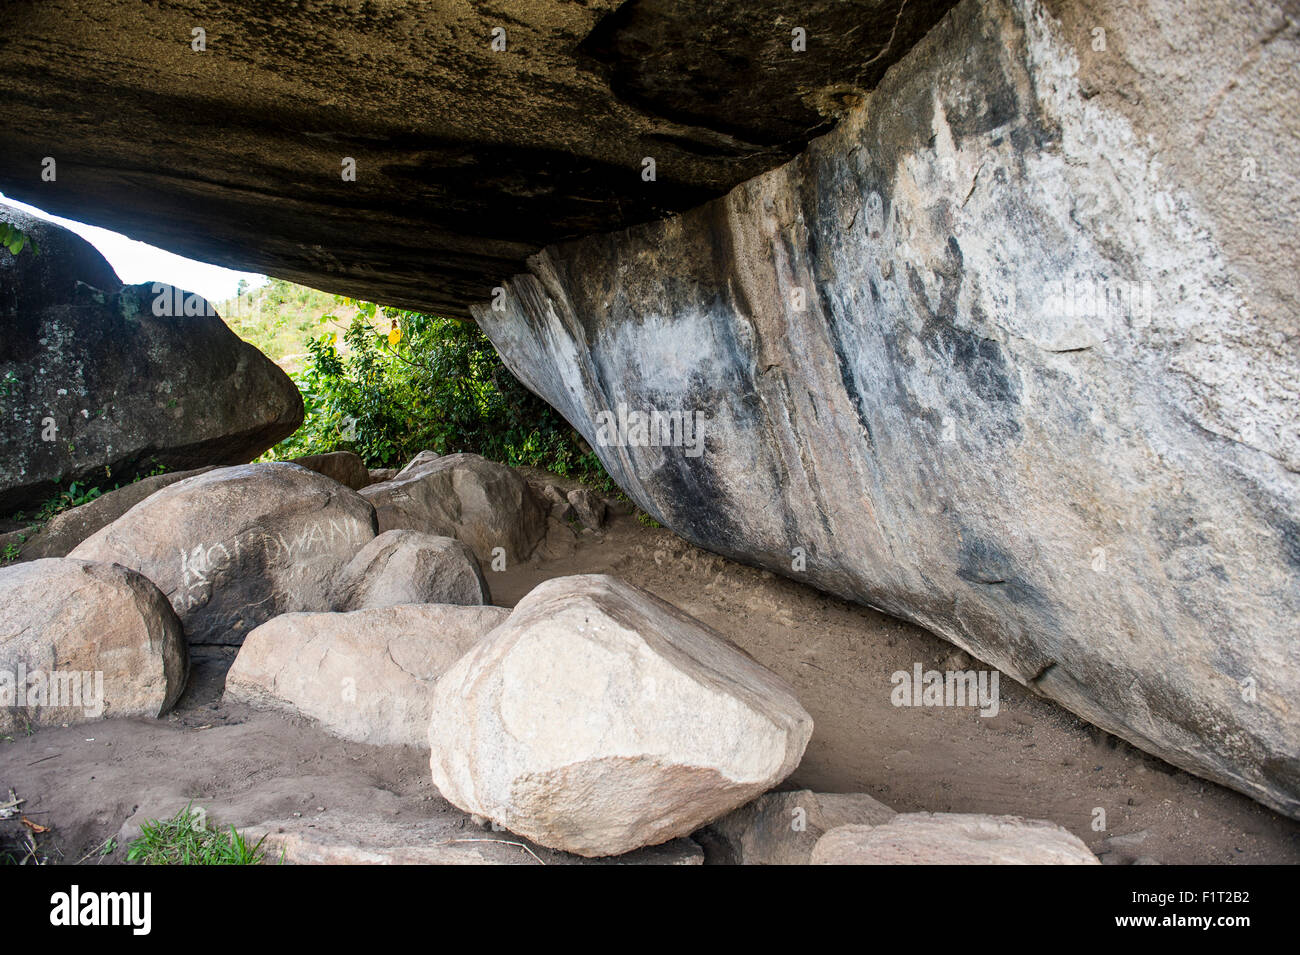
<point x="1289" y="537"/>
<point x="980" y="561"/>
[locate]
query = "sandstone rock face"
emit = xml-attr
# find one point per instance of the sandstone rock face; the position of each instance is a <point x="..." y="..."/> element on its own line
<point x="410" y="567"/>
<point x="599" y="719"/>
<point x="343" y="466"/>
<point x="579" y="97"/>
<point x="1010" y="354"/>
<point x="922" y="838"/>
<point x="485" y="504"/>
<point x="104" y="376"/>
<point x="236" y="546"/>
<point x="367" y="675"/>
<point x="80" y="641"/>
<point x="65" y="531"/>
<point x="783" y="828"/>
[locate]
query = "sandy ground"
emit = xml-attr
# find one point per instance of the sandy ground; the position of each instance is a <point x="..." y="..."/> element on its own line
<point x="97" y="781"/>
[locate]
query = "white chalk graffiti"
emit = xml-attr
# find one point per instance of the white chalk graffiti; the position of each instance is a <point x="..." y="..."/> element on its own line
<point x="202" y="566"/>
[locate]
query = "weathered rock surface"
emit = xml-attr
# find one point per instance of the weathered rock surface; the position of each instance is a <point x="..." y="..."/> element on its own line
<point x="485" y="504"/>
<point x="555" y="500"/>
<point x="367" y="675"/>
<point x="81" y="641"/>
<point x="782" y="828"/>
<point x="923" y="838"/>
<point x="99" y="384"/>
<point x="361" y="840"/>
<point x="343" y="466"/>
<point x="467" y="158"/>
<point x="410" y="567"/>
<point x="65" y="531"/>
<point x="588" y="506"/>
<point x="599" y="719"/>
<point x="1010" y="354"/>
<point x="379" y="475"/>
<point x="424" y="457"/>
<point x="235" y="546"/>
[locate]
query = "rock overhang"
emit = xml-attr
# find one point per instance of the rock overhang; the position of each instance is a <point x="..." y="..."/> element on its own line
<point x="468" y="158"/>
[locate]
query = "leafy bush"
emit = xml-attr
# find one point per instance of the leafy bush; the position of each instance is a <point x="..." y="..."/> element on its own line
<point x="426" y="383"/>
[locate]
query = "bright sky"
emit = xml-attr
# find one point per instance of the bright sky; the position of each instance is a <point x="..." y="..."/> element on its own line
<point x="137" y="262"/>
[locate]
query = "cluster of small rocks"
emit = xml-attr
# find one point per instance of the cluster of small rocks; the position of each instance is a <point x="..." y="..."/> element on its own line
<point x="593" y="719"/>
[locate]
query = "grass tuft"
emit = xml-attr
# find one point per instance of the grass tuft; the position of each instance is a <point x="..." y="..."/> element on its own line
<point x="186" y="839"/>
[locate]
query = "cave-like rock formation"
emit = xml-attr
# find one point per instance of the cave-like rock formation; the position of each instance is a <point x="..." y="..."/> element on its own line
<point x="1011" y="353"/>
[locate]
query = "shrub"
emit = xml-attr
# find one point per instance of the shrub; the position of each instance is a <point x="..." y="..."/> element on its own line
<point x="426" y="383"/>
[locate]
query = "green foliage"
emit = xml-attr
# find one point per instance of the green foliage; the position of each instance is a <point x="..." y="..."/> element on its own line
<point x="425" y="383"/>
<point x="74" y="496"/>
<point x="279" y="317"/>
<point x="78" y="493"/>
<point x="15" y="239"/>
<point x="185" y="839"/>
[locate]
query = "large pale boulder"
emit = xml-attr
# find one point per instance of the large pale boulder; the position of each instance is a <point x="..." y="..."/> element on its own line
<point x="82" y="640"/>
<point x="104" y="382"/>
<point x="782" y="828"/>
<point x="1010" y="354"/>
<point x="409" y="567"/>
<point x="65" y="531"/>
<point x="485" y="504"/>
<point x="599" y="719"/>
<point x="923" y="838"/>
<point x="367" y="675"/>
<point x="236" y="546"/>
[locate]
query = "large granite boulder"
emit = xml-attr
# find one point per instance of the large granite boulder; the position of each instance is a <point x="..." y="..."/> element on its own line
<point x="1010" y="354"/>
<point x="480" y="502"/>
<point x="409" y="567"/>
<point x="367" y="675"/>
<point x="101" y="382"/>
<point x="598" y="719"/>
<point x="82" y="641"/>
<point x="233" y="547"/>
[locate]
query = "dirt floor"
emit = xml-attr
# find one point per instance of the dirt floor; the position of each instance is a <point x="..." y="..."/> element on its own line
<point x="96" y="782"/>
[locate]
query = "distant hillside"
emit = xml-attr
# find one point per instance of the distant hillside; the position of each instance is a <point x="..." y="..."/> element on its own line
<point x="278" y="318"/>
